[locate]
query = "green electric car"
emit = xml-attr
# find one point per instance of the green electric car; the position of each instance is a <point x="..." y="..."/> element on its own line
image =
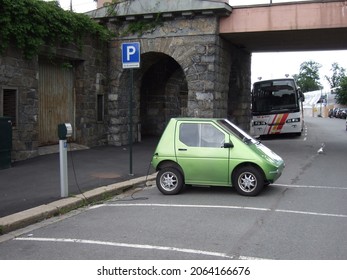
<point x="213" y="152"/>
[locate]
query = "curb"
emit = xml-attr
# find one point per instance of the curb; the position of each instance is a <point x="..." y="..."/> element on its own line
<point x="28" y="217"/>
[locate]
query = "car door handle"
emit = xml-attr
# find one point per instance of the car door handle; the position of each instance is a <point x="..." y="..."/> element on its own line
<point x="181" y="149"/>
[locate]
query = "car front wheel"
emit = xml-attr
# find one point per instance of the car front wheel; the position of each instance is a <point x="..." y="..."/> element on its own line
<point x="169" y="180"/>
<point x="248" y="180"/>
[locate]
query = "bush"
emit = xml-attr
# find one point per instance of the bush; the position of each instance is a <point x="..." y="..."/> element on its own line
<point x="30" y="24"/>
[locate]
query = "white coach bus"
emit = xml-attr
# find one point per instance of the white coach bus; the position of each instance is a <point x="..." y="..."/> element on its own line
<point x="277" y="107"/>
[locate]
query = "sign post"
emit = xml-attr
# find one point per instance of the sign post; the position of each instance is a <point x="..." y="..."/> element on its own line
<point x="131" y="59"/>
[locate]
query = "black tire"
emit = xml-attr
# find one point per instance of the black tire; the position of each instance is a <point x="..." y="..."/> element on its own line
<point x="248" y="180"/>
<point x="170" y="180"/>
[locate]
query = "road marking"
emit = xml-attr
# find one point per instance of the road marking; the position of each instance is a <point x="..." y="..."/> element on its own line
<point x="311" y="213"/>
<point x="309" y="187"/>
<point x="136" y="246"/>
<point x="226" y="207"/>
<point x="305" y="138"/>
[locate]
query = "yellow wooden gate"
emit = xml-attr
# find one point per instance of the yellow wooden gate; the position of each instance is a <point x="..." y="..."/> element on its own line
<point x="56" y="100"/>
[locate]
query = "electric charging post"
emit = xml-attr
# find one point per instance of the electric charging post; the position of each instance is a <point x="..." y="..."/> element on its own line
<point x="131" y="59"/>
<point x="64" y="131"/>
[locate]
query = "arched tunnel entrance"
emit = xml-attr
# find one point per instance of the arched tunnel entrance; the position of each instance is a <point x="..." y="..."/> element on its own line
<point x="163" y="92"/>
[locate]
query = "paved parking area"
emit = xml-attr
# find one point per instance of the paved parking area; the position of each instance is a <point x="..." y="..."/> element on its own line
<point x="202" y="223"/>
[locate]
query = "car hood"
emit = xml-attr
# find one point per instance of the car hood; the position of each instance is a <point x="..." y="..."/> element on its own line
<point x="267" y="154"/>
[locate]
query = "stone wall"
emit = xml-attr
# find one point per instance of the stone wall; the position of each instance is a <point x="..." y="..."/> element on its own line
<point x="210" y="67"/>
<point x="91" y="81"/>
<point x="90" y="67"/>
<point x="239" y="86"/>
<point x="187" y="69"/>
<point x="22" y="75"/>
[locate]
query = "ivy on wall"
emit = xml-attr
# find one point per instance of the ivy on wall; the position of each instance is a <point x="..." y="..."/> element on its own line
<point x="140" y="26"/>
<point x="30" y="24"/>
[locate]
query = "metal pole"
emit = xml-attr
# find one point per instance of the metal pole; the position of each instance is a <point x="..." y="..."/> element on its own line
<point x="64" y="190"/>
<point x="131" y="123"/>
<point x="321" y="100"/>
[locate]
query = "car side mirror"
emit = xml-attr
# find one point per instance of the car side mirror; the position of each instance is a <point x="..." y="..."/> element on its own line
<point x="228" y="145"/>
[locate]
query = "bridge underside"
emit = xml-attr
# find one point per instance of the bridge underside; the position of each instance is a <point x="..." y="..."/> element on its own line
<point x="291" y="40"/>
<point x="305" y="26"/>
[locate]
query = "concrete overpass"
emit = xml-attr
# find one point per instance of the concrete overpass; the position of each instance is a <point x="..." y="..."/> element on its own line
<point x="305" y="26"/>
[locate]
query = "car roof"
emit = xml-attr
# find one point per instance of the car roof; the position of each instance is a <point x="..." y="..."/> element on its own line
<point x="190" y="119"/>
<point x="197" y="119"/>
<point x="272" y="80"/>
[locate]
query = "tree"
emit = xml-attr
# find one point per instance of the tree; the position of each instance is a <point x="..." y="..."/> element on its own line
<point x="341" y="91"/>
<point x="308" y="78"/>
<point x="338" y="73"/>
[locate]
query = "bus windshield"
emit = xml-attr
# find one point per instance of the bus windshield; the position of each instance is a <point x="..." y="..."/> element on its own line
<point x="275" y="96"/>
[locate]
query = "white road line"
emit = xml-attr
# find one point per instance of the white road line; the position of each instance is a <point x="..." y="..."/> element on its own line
<point x="311" y="213"/>
<point x="186" y="206"/>
<point x="226" y="207"/>
<point x="135" y="246"/>
<point x="309" y="187"/>
<point x="183" y="205"/>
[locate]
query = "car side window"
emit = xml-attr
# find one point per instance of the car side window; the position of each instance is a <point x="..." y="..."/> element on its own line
<point x="189" y="134"/>
<point x="211" y="136"/>
<point x="201" y="135"/>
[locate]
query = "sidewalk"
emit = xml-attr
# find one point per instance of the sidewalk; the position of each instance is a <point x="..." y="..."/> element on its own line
<point x="30" y="189"/>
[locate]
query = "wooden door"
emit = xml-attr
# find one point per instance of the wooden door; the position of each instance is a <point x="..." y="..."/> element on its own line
<point x="56" y="100"/>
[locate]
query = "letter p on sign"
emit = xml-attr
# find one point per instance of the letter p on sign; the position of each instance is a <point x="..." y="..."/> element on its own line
<point x="131" y="55"/>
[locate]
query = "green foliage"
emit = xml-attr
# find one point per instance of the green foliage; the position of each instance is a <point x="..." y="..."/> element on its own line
<point x="141" y="26"/>
<point x="341" y="92"/>
<point x="30" y="24"/>
<point x="337" y="74"/>
<point x="136" y="27"/>
<point x="111" y="7"/>
<point x="308" y="78"/>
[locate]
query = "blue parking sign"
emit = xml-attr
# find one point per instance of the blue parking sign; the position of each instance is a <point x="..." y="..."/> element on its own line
<point x="131" y="55"/>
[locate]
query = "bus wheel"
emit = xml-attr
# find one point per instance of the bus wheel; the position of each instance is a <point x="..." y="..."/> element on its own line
<point x="248" y="180"/>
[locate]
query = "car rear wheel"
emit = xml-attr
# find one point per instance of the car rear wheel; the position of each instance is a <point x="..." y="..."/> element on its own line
<point x="169" y="180"/>
<point x="248" y="180"/>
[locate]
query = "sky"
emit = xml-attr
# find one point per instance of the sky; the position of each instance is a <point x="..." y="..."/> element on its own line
<point x="78" y="6"/>
<point x="265" y="65"/>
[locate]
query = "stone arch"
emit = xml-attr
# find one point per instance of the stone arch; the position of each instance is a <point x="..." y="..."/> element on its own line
<point x="163" y="92"/>
<point x="179" y="76"/>
<point x="160" y="92"/>
<point x="199" y="57"/>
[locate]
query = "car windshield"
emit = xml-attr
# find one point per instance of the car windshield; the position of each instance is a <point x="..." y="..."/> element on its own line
<point x="238" y="132"/>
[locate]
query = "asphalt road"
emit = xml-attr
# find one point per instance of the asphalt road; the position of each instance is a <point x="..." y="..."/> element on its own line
<point x="303" y="216"/>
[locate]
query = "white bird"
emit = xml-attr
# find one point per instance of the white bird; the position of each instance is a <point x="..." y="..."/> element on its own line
<point x="321" y="149"/>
